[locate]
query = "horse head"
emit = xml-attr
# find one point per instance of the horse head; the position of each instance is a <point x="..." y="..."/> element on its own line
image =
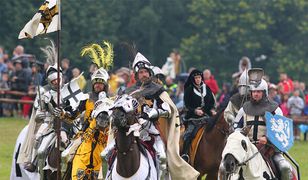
<point x="101" y="113"/>
<point x="124" y="111"/>
<point x="124" y="119"/>
<point x="237" y="152"/>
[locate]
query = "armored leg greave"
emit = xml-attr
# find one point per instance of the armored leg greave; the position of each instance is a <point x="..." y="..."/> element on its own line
<point x="160" y="148"/>
<point x="283" y="166"/>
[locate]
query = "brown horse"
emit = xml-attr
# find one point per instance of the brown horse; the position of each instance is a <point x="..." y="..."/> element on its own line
<point x="212" y="143"/>
<point x="130" y="154"/>
<point x="126" y="146"/>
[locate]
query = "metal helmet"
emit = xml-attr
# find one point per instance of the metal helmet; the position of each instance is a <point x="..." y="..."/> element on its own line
<point x="52" y="74"/>
<point x="262" y="86"/>
<point x="157" y="71"/>
<point x="255" y="75"/>
<point x="100" y="75"/>
<point x="244" y="79"/>
<point x="141" y="62"/>
<point x="51" y="55"/>
<point x="243" y="84"/>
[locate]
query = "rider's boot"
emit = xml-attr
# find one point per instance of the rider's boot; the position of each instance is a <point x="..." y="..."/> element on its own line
<point x="186" y="146"/>
<point x="31" y="166"/>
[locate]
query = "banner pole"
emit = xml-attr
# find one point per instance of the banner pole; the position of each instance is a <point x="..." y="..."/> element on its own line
<point x="58" y="123"/>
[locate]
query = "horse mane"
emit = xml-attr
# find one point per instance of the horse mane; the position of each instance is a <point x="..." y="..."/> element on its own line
<point x="213" y="120"/>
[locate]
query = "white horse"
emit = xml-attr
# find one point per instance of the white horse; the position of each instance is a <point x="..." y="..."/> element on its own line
<point x="17" y="171"/>
<point x="238" y="153"/>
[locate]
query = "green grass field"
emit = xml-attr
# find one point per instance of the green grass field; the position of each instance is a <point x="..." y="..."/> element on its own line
<point x="10" y="128"/>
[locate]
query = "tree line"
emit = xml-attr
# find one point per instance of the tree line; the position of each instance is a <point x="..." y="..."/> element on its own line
<point x="209" y="33"/>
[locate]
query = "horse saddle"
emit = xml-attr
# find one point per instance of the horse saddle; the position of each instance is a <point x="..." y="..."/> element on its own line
<point x="198" y="121"/>
<point x="194" y="144"/>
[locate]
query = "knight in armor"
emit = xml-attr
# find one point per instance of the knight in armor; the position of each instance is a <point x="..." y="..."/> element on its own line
<point x="41" y="134"/>
<point x="238" y="99"/>
<point x="87" y="161"/>
<point x="158" y="109"/>
<point x="154" y="108"/>
<point x="199" y="102"/>
<point x="252" y="113"/>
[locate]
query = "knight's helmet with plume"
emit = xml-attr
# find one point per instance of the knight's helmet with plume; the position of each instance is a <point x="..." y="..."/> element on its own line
<point x="52" y="70"/>
<point x="103" y="58"/>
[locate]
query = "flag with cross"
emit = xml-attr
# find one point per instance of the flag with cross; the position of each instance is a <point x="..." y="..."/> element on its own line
<point x="72" y="93"/>
<point x="46" y="20"/>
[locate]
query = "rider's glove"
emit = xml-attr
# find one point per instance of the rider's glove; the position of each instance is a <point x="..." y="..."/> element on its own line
<point x="61" y="113"/>
<point x="40" y="116"/>
<point x="149" y="113"/>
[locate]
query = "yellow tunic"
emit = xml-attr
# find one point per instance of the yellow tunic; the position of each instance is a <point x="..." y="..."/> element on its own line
<point x="87" y="161"/>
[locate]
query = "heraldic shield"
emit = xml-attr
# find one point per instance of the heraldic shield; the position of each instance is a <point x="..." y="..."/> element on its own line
<point x="279" y="131"/>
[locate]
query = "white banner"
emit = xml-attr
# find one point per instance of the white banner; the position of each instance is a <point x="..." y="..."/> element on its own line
<point x="46" y="20"/>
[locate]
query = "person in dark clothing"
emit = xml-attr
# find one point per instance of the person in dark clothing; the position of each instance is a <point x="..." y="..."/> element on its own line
<point x="199" y="101"/>
<point x="224" y="96"/>
<point x="198" y="97"/>
<point x="20" y="80"/>
<point x="36" y="77"/>
<point x="67" y="70"/>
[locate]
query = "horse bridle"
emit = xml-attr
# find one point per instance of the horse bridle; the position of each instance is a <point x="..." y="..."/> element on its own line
<point x="244" y="163"/>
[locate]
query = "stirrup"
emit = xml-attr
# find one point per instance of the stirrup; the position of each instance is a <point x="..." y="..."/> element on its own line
<point x="185" y="157"/>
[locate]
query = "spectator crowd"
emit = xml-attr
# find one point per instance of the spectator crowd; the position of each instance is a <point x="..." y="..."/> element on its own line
<point x="20" y="75"/>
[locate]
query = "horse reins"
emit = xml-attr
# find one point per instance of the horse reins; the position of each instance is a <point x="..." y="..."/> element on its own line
<point x="244" y="163"/>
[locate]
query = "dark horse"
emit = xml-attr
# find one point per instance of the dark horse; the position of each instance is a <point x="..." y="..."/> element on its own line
<point x="212" y="143"/>
<point x="129" y="152"/>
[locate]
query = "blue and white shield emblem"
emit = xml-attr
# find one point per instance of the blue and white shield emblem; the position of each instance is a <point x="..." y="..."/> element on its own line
<point x="279" y="131"/>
